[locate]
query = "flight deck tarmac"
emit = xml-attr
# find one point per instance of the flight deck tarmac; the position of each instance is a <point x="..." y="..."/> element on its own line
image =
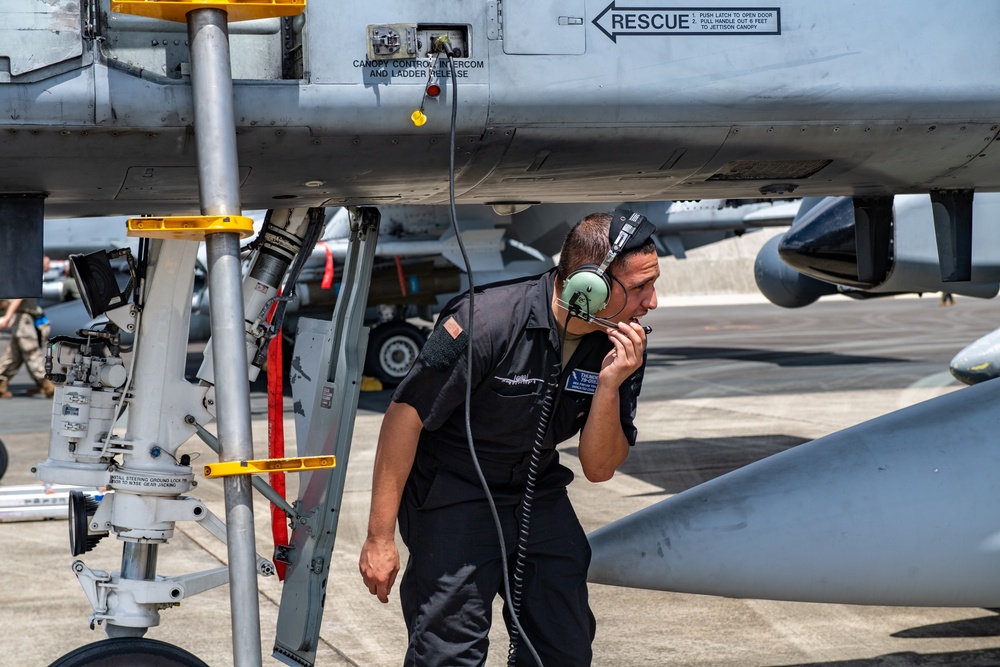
<point x="725" y="385"/>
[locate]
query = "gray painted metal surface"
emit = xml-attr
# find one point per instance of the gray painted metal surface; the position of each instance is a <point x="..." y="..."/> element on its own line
<point x="326" y="379"/>
<point x="834" y="102"/>
<point x="900" y="510"/>
<point x="39" y="34"/>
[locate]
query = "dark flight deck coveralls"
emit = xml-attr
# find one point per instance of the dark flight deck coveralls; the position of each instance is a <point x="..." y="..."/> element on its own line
<point x="454" y="569"/>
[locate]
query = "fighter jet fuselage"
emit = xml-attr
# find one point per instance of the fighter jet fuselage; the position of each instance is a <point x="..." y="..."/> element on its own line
<point x="576" y="103"/>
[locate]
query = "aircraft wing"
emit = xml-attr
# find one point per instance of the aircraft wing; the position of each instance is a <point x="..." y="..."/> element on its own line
<point x="688" y="225"/>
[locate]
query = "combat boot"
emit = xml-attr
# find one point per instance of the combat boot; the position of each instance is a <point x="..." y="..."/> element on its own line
<point x="4" y="390"/>
<point x="44" y="387"/>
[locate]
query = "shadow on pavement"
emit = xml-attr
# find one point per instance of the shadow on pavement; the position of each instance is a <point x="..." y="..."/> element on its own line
<point x="665" y="356"/>
<point x="984" y="626"/>
<point x="678" y="465"/>
<point x="977" y="658"/>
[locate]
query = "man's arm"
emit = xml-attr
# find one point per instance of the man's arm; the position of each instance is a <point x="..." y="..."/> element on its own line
<point x="397" y="446"/>
<point x="603" y="445"/>
<point x="8" y="316"/>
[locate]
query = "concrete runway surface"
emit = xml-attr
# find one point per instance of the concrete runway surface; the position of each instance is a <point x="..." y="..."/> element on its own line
<point x="725" y="386"/>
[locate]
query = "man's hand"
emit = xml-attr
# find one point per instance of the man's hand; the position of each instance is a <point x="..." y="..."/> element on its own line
<point x="379" y="566"/>
<point x="629" y="340"/>
<point x="397" y="445"/>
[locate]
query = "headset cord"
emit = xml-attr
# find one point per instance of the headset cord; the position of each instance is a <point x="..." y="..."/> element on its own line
<point x="548" y="402"/>
<point x="468" y="381"/>
<point x="553" y="392"/>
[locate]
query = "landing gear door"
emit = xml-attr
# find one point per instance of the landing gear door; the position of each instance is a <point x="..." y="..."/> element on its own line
<point x="543" y="27"/>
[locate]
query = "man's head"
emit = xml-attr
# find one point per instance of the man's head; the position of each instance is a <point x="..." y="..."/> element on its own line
<point x="632" y="272"/>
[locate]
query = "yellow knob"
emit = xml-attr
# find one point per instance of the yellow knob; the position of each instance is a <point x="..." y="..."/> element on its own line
<point x="418" y="117"/>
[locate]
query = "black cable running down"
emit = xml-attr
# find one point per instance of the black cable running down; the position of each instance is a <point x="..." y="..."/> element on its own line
<point x="526" y="506"/>
<point x="553" y="392"/>
<point x="468" y="383"/>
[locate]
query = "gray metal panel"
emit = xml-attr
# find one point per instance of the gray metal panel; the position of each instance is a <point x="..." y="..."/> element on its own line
<point x="161" y="47"/>
<point x="636" y="162"/>
<point x="330" y="416"/>
<point x="544" y="28"/>
<point x="38" y="33"/>
<point x="310" y="352"/>
<point x="169" y="183"/>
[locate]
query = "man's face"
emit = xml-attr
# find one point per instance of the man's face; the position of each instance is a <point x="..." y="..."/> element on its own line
<point x="638" y="274"/>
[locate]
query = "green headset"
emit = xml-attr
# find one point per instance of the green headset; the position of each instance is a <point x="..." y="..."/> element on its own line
<point x="588" y="289"/>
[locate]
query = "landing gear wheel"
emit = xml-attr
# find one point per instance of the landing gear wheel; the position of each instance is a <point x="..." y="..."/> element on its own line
<point x="3" y="459"/>
<point x="128" y="652"/>
<point x="392" y="349"/>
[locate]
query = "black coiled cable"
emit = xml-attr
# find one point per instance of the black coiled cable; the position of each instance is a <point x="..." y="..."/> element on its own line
<point x="535" y="462"/>
<point x="553" y="390"/>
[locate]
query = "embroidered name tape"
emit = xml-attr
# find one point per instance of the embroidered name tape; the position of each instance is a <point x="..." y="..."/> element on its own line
<point x="582" y="382"/>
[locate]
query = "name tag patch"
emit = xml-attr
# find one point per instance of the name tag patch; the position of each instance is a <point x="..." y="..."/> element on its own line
<point x="582" y="382"/>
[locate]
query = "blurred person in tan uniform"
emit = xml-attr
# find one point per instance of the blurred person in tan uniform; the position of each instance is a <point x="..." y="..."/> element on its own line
<point x="29" y="334"/>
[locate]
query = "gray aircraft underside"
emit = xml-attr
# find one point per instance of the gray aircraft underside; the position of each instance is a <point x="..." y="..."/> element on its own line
<point x="570" y="101"/>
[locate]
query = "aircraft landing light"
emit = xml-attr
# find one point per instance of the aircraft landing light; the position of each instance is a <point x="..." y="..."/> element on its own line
<point x="262" y="466"/>
<point x="236" y="10"/>
<point x="190" y="227"/>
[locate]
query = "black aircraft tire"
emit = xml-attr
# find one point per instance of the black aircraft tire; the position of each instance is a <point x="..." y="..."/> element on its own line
<point x="392" y="349"/>
<point x="128" y="652"/>
<point x="3" y="459"/>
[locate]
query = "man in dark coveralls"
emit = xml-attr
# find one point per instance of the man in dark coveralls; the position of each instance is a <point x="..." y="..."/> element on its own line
<point x="527" y="352"/>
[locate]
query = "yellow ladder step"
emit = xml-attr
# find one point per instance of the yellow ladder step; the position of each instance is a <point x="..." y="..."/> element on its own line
<point x="261" y="466"/>
<point x="191" y="227"/>
<point x="237" y="10"/>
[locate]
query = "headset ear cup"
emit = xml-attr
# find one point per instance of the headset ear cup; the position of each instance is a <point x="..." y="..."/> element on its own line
<point x="592" y="289"/>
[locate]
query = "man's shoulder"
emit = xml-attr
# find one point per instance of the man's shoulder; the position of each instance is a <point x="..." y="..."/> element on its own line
<point x="506" y="293"/>
<point x="505" y="288"/>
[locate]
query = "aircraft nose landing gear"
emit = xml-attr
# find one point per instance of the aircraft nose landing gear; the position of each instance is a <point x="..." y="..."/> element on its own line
<point x="128" y="652"/>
